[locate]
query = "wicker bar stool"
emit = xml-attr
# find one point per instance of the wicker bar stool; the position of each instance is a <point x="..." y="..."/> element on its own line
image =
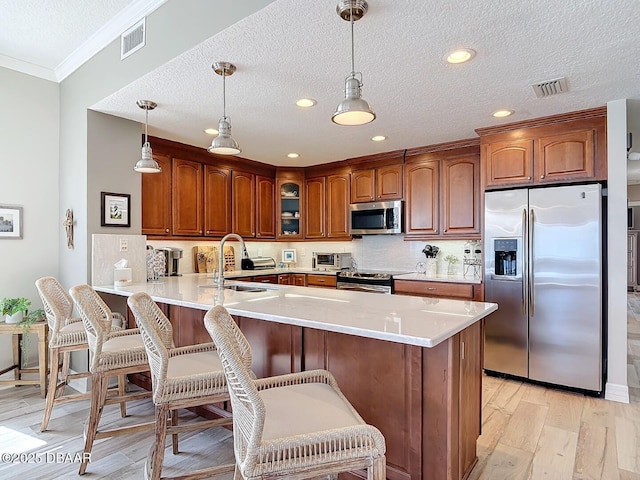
<point x="296" y="426"/>
<point x="113" y="354"/>
<point x="66" y="334"/>
<point x="182" y="377"/>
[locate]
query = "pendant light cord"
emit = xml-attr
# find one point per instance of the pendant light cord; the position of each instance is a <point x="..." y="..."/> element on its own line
<point x="224" y="94"/>
<point x="146" y="124"/>
<point x="353" y="68"/>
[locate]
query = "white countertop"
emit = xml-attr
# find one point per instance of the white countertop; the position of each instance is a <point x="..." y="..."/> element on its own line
<point x="421" y="321"/>
<point x="441" y="277"/>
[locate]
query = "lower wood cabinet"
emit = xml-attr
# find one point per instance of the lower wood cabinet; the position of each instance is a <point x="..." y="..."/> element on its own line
<point x="420" y="288"/>
<point x="317" y="280"/>
<point x="297" y="279"/>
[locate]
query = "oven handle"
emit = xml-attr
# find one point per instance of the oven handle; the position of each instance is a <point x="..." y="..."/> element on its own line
<point x="363" y="288"/>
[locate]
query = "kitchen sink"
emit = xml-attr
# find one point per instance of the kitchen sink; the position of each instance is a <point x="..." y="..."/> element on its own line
<point x="242" y="288"/>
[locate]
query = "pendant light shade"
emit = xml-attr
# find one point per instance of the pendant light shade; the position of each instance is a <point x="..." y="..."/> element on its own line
<point x="147" y="164"/>
<point x="353" y="110"/>
<point x="224" y="143"/>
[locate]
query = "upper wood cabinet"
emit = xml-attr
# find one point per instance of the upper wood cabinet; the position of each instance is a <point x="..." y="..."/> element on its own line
<point x="265" y="207"/>
<point x="156" y="199"/>
<point x="289" y="204"/>
<point x="373" y="184"/>
<point x="327" y="206"/>
<point x="187" y="198"/>
<point x="217" y="201"/>
<point x="243" y="218"/>
<point x="442" y="193"/>
<point x="560" y="149"/>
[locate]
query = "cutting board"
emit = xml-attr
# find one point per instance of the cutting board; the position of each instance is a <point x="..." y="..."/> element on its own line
<point x="205" y="259"/>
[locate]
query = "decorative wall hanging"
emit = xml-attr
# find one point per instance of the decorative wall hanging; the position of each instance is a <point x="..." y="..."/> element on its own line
<point x="115" y="209"/>
<point x="10" y="222"/>
<point x="68" y="226"/>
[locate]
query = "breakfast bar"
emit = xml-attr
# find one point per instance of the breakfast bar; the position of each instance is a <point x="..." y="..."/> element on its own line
<point x="411" y="366"/>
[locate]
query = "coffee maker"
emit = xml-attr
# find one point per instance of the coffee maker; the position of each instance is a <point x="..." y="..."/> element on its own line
<point x="172" y="257"/>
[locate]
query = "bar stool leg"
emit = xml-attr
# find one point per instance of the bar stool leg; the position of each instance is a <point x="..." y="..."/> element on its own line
<point x="53" y="390"/>
<point x="66" y="361"/>
<point x="98" y="396"/>
<point x="156" y="455"/>
<point x="122" y="386"/>
<point x="174" y="436"/>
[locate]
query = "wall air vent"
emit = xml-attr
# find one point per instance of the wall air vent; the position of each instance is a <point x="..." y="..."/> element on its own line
<point x="133" y="39"/>
<point x="551" y="87"/>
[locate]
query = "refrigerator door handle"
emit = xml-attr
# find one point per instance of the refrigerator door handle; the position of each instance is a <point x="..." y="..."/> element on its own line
<point x="524" y="275"/>
<point x="531" y="294"/>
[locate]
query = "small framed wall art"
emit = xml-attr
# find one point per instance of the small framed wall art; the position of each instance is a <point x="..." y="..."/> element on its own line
<point x="289" y="256"/>
<point x="10" y="222"/>
<point x="115" y="209"/>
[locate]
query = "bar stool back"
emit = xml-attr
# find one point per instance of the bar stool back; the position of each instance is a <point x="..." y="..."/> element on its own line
<point x="66" y="334"/>
<point x="296" y="426"/>
<point x="183" y="377"/>
<point x="113" y="354"/>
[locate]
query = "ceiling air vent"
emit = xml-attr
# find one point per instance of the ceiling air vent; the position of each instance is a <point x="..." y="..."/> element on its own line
<point x="133" y="39"/>
<point x="551" y="87"/>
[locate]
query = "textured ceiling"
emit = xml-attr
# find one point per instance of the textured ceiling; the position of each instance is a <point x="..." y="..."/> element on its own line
<point x="284" y="52"/>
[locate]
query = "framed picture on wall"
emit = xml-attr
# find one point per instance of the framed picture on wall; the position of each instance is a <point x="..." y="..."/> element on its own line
<point x="115" y="209"/>
<point x="10" y="222"/>
<point x="289" y="256"/>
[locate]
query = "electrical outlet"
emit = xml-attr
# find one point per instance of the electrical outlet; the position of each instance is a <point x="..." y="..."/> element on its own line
<point x="124" y="245"/>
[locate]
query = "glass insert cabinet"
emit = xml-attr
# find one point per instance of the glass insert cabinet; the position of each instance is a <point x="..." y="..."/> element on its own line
<point x="290" y="208"/>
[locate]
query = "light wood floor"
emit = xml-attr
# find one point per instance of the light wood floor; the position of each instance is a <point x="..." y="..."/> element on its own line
<point x="529" y="432"/>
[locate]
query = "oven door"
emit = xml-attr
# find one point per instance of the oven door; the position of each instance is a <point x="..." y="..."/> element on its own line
<point x="359" y="287"/>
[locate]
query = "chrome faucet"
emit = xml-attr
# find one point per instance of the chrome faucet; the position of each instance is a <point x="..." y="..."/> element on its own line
<point x="220" y="280"/>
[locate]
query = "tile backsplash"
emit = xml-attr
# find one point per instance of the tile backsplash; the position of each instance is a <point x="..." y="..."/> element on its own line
<point x="371" y="252"/>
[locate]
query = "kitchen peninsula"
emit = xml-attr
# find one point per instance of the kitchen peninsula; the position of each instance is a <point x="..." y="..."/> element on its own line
<point x="411" y="366"/>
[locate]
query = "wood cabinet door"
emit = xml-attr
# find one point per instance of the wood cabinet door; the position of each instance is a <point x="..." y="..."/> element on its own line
<point x="299" y="279"/>
<point x="289" y="201"/>
<point x="187" y="198"/>
<point x="243" y="204"/>
<point x="156" y="199"/>
<point x="460" y="181"/>
<point x="363" y="185"/>
<point x="265" y="207"/>
<point x="337" y="206"/>
<point x="567" y="156"/>
<point x="217" y="201"/>
<point x="314" y="218"/>
<point x="389" y="182"/>
<point x="422" y="198"/>
<point x="509" y="163"/>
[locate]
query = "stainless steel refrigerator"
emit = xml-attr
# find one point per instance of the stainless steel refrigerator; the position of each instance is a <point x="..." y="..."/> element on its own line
<point x="543" y="267"/>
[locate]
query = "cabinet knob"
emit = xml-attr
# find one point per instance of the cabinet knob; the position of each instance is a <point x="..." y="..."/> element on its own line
<point x="379" y="196"/>
<point x="528" y="178"/>
<point x="541" y="177"/>
<point x="167" y="230"/>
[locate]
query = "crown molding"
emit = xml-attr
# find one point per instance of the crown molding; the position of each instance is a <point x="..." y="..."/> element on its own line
<point x="105" y="35"/>
<point x="28" y="68"/>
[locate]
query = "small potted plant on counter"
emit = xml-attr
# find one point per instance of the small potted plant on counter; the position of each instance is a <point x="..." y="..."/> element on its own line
<point x="431" y="266"/>
<point x="14" y="309"/>
<point x="451" y="264"/>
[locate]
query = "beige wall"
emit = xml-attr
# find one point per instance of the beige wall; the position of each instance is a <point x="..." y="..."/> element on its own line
<point x="29" y="128"/>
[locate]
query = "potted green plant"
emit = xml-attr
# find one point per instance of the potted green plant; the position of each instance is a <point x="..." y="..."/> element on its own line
<point x="451" y="261"/>
<point x="29" y="319"/>
<point x="14" y="309"/>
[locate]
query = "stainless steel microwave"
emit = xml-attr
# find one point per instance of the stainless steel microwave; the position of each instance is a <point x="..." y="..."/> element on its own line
<point x="331" y="261"/>
<point x="376" y="217"/>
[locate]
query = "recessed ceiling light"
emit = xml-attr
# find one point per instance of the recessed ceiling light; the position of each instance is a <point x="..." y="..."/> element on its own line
<point x="461" y="55"/>
<point x="293" y="155"/>
<point x="306" y="102"/>
<point x="502" y="113"/>
<point x="378" y="138"/>
<point x="211" y="131"/>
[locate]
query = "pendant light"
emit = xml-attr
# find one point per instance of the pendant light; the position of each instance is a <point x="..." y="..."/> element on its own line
<point x="353" y="110"/>
<point x="147" y="164"/>
<point x="224" y="144"/>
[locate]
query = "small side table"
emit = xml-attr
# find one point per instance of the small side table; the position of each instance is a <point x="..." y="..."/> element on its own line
<point x="42" y="329"/>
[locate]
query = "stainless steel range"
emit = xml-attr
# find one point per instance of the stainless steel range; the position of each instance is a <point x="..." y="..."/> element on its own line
<point x="365" y="282"/>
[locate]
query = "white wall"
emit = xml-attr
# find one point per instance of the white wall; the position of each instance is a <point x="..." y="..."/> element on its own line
<point x="616" y="387"/>
<point x="29" y="128"/>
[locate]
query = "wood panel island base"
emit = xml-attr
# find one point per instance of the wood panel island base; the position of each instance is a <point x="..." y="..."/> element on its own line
<point x="411" y="366"/>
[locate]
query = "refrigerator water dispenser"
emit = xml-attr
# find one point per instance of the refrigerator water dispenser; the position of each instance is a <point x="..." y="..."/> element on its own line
<point x="506" y="250"/>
